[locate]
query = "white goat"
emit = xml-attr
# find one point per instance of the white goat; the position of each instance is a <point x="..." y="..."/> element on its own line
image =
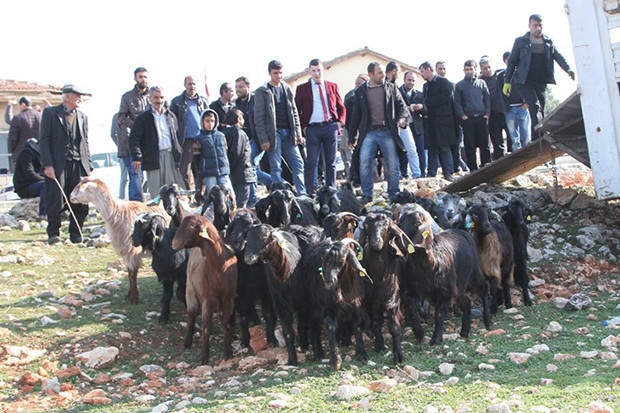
<point x="119" y="216"/>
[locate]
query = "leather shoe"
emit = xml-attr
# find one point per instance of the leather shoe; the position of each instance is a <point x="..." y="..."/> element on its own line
<point x="449" y="177"/>
<point x="76" y="239"/>
<point x="54" y="240"/>
<point x="366" y="199"/>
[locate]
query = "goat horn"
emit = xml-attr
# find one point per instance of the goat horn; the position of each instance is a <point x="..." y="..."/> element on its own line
<point x="348" y="214"/>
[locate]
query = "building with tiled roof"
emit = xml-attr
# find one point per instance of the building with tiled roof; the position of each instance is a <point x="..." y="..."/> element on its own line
<point x="344" y="69"/>
<point x="12" y="90"/>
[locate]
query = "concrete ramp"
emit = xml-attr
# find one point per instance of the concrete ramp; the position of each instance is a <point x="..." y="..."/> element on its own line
<point x="562" y="132"/>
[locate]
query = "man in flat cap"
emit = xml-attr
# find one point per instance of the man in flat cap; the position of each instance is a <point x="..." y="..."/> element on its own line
<point x="65" y="157"/>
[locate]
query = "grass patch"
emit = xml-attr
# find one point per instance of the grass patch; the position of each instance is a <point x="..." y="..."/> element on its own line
<point x="31" y="289"/>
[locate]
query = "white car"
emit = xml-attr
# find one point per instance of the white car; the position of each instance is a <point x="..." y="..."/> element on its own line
<point x="107" y="168"/>
<point x="7" y="193"/>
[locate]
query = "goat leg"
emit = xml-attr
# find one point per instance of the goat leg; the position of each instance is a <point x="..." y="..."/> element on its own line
<point x="416" y="319"/>
<point x="133" y="295"/>
<point x="441" y="311"/>
<point x="207" y="327"/>
<point x="191" y="327"/>
<point x="360" y="350"/>
<point x="486" y="311"/>
<point x="168" y="287"/>
<point x="228" y="316"/>
<point x="244" y="322"/>
<point x="181" y="285"/>
<point x="315" y="337"/>
<point x="464" y="304"/>
<point x="331" y="326"/>
<point x="269" y="314"/>
<point x="397" y="337"/>
<point x="506" y="292"/>
<point x="375" y="325"/>
<point x="286" y="318"/>
<point x="496" y="299"/>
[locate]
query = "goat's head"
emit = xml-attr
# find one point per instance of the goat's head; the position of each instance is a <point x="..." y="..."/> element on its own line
<point x="515" y="213"/>
<point x="147" y="230"/>
<point x="236" y="233"/>
<point x="414" y="220"/>
<point x="223" y="201"/>
<point x="404" y="197"/>
<point x="87" y="190"/>
<point x="453" y="204"/>
<point x="279" y="208"/>
<point x="341" y="254"/>
<point x="327" y="198"/>
<point x="284" y="185"/>
<point x="380" y="231"/>
<point x="194" y="230"/>
<point x="169" y="196"/>
<point x="259" y="237"/>
<point x="341" y="225"/>
<point x="478" y="217"/>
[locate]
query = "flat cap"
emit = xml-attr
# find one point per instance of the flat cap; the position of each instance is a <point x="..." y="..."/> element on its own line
<point x="69" y="88"/>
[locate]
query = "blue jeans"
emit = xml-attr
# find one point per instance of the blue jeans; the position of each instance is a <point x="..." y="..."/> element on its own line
<point x="412" y="153"/>
<point x="518" y="122"/>
<point x="285" y="145"/>
<point x="135" y="183"/>
<point x="211" y="181"/>
<point x="261" y="176"/>
<point x="374" y="141"/>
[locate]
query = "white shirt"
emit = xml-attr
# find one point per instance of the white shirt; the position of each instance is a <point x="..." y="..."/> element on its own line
<point x="317" y="107"/>
<point x="163" y="131"/>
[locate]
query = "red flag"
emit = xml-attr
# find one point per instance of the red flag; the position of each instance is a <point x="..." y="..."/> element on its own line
<point x="206" y="85"/>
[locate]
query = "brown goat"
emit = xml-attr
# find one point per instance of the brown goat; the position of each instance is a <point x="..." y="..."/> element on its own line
<point x="119" y="216"/>
<point x="494" y="244"/>
<point x="211" y="281"/>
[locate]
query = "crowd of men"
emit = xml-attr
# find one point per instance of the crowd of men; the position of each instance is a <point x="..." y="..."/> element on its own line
<point x="378" y="127"/>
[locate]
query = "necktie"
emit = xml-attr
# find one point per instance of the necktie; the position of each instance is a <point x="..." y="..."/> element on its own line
<point x="325" y="111"/>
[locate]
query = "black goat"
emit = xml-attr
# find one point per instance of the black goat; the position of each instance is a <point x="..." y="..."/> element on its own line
<point x="494" y="244"/>
<point x="280" y="250"/>
<point x="332" y="200"/>
<point x="223" y="201"/>
<point x="150" y="231"/>
<point x="441" y="268"/>
<point x="279" y="209"/>
<point x="384" y="244"/>
<point x="252" y="280"/>
<point x="516" y="216"/>
<point x="174" y="203"/>
<point x="332" y="278"/>
<point x="435" y="208"/>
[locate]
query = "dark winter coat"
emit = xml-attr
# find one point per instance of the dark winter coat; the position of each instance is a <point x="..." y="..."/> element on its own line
<point x="27" y="168"/>
<point x="144" y="140"/>
<point x="239" y="156"/>
<point x="213" y="156"/>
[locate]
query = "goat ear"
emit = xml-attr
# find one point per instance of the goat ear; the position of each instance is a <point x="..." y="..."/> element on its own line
<point x="354" y="262"/>
<point x="362" y="236"/>
<point x="262" y="206"/>
<point x="296" y="213"/>
<point x="207" y="202"/>
<point x="231" y="199"/>
<point x="401" y="240"/>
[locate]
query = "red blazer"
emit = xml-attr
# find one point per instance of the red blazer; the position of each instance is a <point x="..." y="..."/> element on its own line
<point x="304" y="102"/>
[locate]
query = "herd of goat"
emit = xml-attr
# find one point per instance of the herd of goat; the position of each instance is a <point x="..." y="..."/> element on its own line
<point x="323" y="265"/>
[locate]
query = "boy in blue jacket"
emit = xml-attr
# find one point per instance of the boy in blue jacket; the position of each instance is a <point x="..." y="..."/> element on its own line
<point x="214" y="166"/>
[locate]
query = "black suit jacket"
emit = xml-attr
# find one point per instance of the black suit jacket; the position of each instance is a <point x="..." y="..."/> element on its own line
<point x="54" y="139"/>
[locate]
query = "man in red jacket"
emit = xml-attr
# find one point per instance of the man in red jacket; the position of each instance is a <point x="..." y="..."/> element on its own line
<point x="321" y="115"/>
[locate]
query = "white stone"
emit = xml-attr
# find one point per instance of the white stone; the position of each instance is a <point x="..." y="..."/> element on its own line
<point x="537" y="349"/>
<point x="588" y="354"/>
<point x="554" y="327"/>
<point x="519" y="358"/>
<point x="445" y="369"/>
<point x="145" y="398"/>
<point x="152" y="369"/>
<point x="560" y="302"/>
<point x="347" y="392"/>
<point x="160" y="408"/>
<point x="199" y="400"/>
<point x="499" y="408"/>
<point x="486" y="366"/>
<point x="98" y="357"/>
<point x="52" y="385"/>
<point x="452" y="381"/>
